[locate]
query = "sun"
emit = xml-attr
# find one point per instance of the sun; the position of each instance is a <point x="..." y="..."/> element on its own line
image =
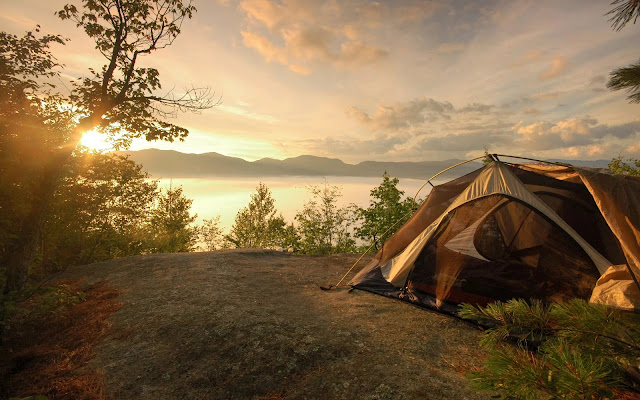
<point x="95" y="141"/>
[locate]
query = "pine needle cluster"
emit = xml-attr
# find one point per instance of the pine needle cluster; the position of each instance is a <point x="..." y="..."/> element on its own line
<point x="569" y="350"/>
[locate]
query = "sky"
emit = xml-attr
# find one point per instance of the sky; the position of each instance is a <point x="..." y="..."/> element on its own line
<point x="403" y="80"/>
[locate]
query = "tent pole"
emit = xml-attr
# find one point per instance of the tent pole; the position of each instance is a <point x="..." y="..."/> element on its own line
<point x="534" y="159"/>
<point x="442" y="172"/>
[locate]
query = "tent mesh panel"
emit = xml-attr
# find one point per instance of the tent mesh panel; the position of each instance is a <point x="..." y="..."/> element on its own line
<point x="513" y="251"/>
<point x="436" y="203"/>
<point x="575" y="205"/>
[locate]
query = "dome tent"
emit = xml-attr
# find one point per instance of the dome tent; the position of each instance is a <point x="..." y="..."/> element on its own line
<point x="550" y="232"/>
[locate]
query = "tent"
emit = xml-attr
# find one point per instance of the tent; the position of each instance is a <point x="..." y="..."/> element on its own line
<point x="507" y="230"/>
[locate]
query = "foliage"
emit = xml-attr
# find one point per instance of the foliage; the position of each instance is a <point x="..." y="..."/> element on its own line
<point x="99" y="212"/>
<point x="621" y="166"/>
<point x="211" y="234"/>
<point x="33" y="127"/>
<point x="22" y="60"/>
<point x="488" y="158"/>
<point x="40" y="128"/>
<point x="170" y="223"/>
<point x="626" y="77"/>
<point x="48" y="302"/>
<point x="386" y="213"/>
<point x="290" y="238"/>
<point x="120" y="99"/>
<point x="572" y="350"/>
<point x="50" y="354"/>
<point x="258" y="225"/>
<point x="323" y="227"/>
<point x="623" y="12"/>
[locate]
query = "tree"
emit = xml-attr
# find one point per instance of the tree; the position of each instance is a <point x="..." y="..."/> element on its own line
<point x="258" y="225"/>
<point x="98" y="211"/>
<point x="621" y="166"/>
<point x="290" y="239"/>
<point x="626" y="77"/>
<point x="33" y="126"/>
<point x="323" y="227"/>
<point x="572" y="350"/>
<point x="386" y="213"/>
<point x="119" y="99"/>
<point x="170" y="223"/>
<point x="211" y="234"/>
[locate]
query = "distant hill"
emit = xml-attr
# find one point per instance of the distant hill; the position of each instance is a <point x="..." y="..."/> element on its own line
<point x="173" y="164"/>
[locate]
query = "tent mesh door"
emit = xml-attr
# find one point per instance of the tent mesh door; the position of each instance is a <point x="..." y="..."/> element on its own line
<point x="511" y="252"/>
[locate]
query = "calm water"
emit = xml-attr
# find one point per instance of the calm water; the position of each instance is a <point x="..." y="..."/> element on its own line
<point x="225" y="197"/>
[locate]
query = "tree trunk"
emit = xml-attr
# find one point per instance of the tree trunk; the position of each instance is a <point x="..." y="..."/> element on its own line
<point x="24" y="253"/>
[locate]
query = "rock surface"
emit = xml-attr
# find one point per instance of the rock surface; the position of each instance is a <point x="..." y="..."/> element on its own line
<point x="242" y="324"/>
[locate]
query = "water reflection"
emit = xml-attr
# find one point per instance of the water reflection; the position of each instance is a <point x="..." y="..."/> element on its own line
<point x="225" y="197"/>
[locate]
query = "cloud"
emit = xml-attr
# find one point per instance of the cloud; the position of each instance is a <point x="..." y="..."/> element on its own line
<point x="266" y="12"/>
<point x="546" y="96"/>
<point x="465" y="142"/>
<point x="312" y="45"/>
<point x="633" y="149"/>
<point x="402" y="115"/>
<point x="378" y="145"/>
<point x="558" y="66"/>
<point x="430" y="125"/>
<point x="597" y="84"/>
<point x="377" y="13"/>
<point x="242" y="111"/>
<point x="585" y="131"/>
<point x="477" y="107"/>
<point x="358" y="54"/>
<point x="529" y="58"/>
<point x="417" y="112"/>
<point x="300" y="69"/>
<point x="578" y="138"/>
<point x="531" y="111"/>
<point x="303" y="34"/>
<point x="263" y="46"/>
<point x="621" y="131"/>
<point x="446" y="48"/>
<point x="20" y="20"/>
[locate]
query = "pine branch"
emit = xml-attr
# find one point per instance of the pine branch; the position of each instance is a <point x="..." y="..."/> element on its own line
<point x="627" y="78"/>
<point x="625" y="11"/>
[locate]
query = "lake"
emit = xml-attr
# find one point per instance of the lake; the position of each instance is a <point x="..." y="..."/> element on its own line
<point x="225" y="197"/>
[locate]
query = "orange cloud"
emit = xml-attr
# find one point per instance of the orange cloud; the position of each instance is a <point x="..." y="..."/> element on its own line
<point x="530" y="57"/>
<point x="302" y="34"/>
<point x="263" y="46"/>
<point x="558" y="66"/>
<point x="300" y="69"/>
<point x="264" y="11"/>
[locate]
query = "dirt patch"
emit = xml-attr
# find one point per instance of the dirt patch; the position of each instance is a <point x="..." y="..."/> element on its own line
<point x="49" y="357"/>
<point x="254" y="324"/>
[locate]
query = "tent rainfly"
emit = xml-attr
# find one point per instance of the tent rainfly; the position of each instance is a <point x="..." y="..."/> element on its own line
<point x="549" y="232"/>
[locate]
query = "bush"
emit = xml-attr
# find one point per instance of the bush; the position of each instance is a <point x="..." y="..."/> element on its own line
<point x="570" y="350"/>
<point x="38" y="306"/>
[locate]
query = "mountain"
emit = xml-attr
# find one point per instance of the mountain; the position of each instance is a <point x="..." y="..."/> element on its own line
<point x="173" y="164"/>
